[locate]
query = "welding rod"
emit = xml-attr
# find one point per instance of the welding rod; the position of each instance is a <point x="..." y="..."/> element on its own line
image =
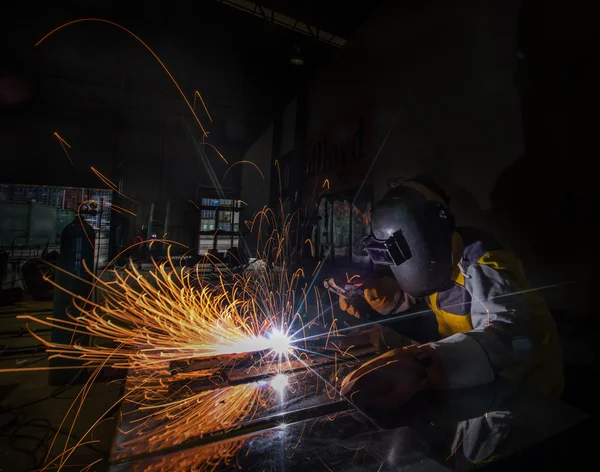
<point x="201" y="384"/>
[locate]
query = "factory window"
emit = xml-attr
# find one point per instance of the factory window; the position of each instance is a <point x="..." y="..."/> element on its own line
<point x="49" y="223"/>
<point x="222" y="217"/>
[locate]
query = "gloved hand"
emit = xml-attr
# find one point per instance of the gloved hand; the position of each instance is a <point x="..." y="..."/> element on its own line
<point x="383" y="295"/>
<point x="395" y="377"/>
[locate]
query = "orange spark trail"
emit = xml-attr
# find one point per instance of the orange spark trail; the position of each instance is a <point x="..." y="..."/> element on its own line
<point x="312" y="249"/>
<point x="62" y="144"/>
<point x="143" y="321"/>
<point x="81" y="20"/>
<point x="315" y="271"/>
<point x="117" y="208"/>
<point x="165" y="317"/>
<point x="218" y="152"/>
<point x="243" y="162"/>
<point x="108" y="182"/>
<point x="203" y="104"/>
<point x="105" y="179"/>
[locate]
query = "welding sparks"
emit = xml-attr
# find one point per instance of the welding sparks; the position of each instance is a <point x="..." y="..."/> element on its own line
<point x="218" y="152"/>
<point x="110" y="184"/>
<point x="100" y="20"/>
<point x="120" y="208"/>
<point x="194" y="203"/>
<point x="145" y="322"/>
<point x="196" y="93"/>
<point x="279" y="342"/>
<point x="169" y="315"/>
<point x="243" y="162"/>
<point x="63" y="143"/>
<point x="160" y="318"/>
<point x="190" y="415"/>
<point x="276" y="342"/>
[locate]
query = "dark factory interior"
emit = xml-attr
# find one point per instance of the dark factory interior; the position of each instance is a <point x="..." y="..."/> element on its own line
<point x="297" y="235"/>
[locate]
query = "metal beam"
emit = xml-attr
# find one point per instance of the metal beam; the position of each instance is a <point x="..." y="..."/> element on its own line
<point x="285" y="21"/>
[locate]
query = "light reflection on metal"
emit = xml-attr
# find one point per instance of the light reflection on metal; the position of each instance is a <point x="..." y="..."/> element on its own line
<point x="279" y="342"/>
<point x="279" y="383"/>
<point x="171" y="418"/>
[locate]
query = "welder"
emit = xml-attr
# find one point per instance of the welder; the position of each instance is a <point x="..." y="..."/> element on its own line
<point x="489" y="319"/>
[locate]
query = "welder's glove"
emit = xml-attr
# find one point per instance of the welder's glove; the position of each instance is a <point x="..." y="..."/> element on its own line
<point x="395" y="377"/>
<point x="383" y="295"/>
<point x="350" y="309"/>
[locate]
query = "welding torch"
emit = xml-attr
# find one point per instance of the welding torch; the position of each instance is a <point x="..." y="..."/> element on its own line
<point x="354" y="295"/>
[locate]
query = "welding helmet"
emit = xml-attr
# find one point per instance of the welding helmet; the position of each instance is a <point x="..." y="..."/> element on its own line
<point x="411" y="232"/>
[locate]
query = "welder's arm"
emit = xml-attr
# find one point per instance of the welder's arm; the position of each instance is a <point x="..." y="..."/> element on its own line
<point x="501" y="329"/>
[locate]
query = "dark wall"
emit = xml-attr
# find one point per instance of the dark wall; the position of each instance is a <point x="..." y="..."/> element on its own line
<point x="106" y="95"/>
<point x="549" y="196"/>
<point x="438" y="77"/>
<point x="110" y="99"/>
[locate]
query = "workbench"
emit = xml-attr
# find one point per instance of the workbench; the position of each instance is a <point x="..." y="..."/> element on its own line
<point x="302" y="423"/>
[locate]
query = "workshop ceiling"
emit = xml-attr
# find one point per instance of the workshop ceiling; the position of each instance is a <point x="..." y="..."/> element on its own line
<point x="238" y="54"/>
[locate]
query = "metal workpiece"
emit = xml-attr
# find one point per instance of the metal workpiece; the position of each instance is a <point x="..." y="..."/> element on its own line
<point x="290" y="416"/>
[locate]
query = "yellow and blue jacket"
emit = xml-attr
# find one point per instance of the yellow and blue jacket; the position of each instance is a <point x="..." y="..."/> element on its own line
<point x="490" y="320"/>
<point x="492" y="308"/>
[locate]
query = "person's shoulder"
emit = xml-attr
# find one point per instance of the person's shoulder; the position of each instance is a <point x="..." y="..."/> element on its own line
<point x="477" y="243"/>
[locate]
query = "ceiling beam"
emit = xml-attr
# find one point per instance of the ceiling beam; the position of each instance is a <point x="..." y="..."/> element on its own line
<point x="285" y="21"/>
